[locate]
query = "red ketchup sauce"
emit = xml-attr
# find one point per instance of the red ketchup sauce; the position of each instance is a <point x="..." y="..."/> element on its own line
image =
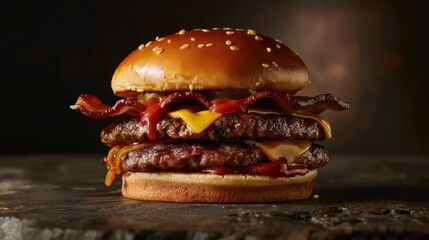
<point x="275" y="169"/>
<point x="226" y="105"/>
<point x="150" y="116"/>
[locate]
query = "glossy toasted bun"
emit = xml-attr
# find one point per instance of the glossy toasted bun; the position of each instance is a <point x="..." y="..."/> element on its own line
<point x="215" y="59"/>
<point x="210" y="188"/>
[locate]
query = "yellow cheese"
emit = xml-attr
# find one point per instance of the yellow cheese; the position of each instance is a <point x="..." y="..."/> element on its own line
<point x="275" y="149"/>
<point x="114" y="159"/>
<point x="110" y="161"/>
<point x="197" y="121"/>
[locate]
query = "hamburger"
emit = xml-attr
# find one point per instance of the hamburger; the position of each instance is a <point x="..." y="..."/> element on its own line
<point x="212" y="116"/>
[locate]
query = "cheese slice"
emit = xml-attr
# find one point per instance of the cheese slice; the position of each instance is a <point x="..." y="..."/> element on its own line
<point x="197" y="121"/>
<point x="275" y="149"/>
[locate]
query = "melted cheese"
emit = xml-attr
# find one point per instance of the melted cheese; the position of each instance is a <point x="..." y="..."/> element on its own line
<point x="275" y="149"/>
<point x="110" y="175"/>
<point x="113" y="161"/>
<point x="199" y="121"/>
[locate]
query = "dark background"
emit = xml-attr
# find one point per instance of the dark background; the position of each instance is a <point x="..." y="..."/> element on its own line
<point x="372" y="54"/>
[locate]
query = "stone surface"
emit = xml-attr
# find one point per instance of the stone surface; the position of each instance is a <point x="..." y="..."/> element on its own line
<point x="63" y="197"/>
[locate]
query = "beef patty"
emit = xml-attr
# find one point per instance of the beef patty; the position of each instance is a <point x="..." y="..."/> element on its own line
<point x="228" y="127"/>
<point x="201" y="155"/>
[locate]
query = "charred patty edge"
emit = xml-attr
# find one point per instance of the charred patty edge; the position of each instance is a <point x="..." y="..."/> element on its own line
<point x="231" y="126"/>
<point x="195" y="156"/>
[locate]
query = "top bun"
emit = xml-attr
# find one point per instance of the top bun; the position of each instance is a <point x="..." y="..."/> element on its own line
<point x="216" y="59"/>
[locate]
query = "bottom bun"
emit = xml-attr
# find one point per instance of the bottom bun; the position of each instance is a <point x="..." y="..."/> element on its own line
<point x="210" y="188"/>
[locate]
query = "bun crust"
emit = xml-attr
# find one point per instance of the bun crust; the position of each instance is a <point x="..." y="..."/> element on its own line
<point x="210" y="60"/>
<point x="209" y="188"/>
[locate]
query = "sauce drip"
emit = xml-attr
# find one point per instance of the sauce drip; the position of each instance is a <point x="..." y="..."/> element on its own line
<point x="275" y="169"/>
<point x="150" y="116"/>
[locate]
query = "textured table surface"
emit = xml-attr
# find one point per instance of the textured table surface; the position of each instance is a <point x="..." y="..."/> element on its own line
<point x="63" y="197"/>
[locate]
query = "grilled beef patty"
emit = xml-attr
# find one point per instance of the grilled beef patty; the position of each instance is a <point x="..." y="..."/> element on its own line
<point x="200" y="155"/>
<point x="228" y="127"/>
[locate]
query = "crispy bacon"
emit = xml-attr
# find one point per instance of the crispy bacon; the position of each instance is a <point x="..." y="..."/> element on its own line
<point x="299" y="104"/>
<point x="92" y="107"/>
<point x="179" y="96"/>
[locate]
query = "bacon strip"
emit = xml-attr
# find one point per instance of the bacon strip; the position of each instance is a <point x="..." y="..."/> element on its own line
<point x="179" y="96"/>
<point x="300" y="104"/>
<point x="92" y="107"/>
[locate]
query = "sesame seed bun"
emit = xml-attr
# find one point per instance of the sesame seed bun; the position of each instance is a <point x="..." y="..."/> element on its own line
<point x="210" y="188"/>
<point x="218" y="59"/>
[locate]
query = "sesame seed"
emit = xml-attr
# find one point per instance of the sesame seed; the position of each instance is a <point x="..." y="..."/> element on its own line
<point x="141" y="46"/>
<point x="265" y="65"/>
<point x="275" y="64"/>
<point x="197" y="29"/>
<point x="148" y="43"/>
<point x="191" y="86"/>
<point x="228" y="42"/>
<point x="234" y="48"/>
<point x="209" y="44"/>
<point x="184" y="46"/>
<point x="278" y="46"/>
<point x="182" y="32"/>
<point x="159" y="39"/>
<point x="268" y="49"/>
<point x="227" y="28"/>
<point x="278" y="41"/>
<point x="294" y="51"/>
<point x="259" y="38"/>
<point x="251" y="32"/>
<point x="316" y="196"/>
<point x="200" y="45"/>
<point x="229" y="32"/>
<point x="257" y="84"/>
<point x="216" y="28"/>
<point x="158" y="50"/>
<point x="239" y="29"/>
<point x="169" y="41"/>
<point x="205" y="30"/>
<point x="193" y="39"/>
